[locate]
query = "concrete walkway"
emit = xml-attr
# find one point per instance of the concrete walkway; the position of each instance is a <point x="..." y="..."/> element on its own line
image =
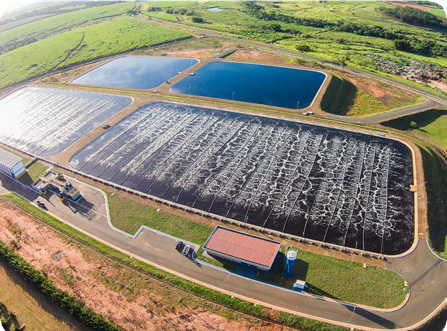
<point x="424" y="272"/>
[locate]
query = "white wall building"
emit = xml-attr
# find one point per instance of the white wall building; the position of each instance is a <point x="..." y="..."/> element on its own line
<point x="11" y="164"/>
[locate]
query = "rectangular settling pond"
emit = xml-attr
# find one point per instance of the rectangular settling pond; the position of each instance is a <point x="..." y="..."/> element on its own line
<point x="138" y="72"/>
<point x="254" y="83"/>
<point x="46" y="121"/>
<point x="330" y="185"/>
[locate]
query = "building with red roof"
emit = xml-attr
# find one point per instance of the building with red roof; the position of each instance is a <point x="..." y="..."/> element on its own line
<point x="243" y="248"/>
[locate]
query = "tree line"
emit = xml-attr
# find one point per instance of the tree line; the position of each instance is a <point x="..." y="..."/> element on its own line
<point x="414" y="16"/>
<point x="401" y="41"/>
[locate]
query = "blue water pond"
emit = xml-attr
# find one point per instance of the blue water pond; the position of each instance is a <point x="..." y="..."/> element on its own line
<point x="267" y="85"/>
<point x="138" y="72"/>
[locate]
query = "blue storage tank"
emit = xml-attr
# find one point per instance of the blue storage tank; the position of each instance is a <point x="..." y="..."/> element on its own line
<point x="290" y="263"/>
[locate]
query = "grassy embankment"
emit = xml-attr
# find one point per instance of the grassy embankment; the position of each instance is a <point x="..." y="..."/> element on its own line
<point x="28" y="33"/>
<point x="342" y="97"/>
<point x="438" y="12"/>
<point x="33" y="172"/>
<point x="220" y="298"/>
<point x="81" y="45"/>
<point x="431" y="125"/>
<point x="326" y="276"/>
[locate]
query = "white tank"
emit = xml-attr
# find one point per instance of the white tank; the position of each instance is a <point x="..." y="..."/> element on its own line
<point x="291" y="255"/>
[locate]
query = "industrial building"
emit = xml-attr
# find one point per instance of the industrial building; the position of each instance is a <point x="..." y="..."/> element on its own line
<point x="242" y="248"/>
<point x="11" y="164"/>
<point x="57" y="184"/>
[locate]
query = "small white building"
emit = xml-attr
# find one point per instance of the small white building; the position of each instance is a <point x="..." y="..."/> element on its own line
<point x="11" y="164"/>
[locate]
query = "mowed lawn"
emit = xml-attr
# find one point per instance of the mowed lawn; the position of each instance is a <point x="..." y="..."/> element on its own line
<point x="28" y="33"/>
<point x="33" y="173"/>
<point x="437" y="130"/>
<point x="327" y="276"/>
<point x="80" y="45"/>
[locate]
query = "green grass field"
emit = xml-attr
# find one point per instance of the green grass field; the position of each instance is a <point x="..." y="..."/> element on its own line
<point x="438" y="12"/>
<point x="80" y="45"/>
<point x="344" y="98"/>
<point x="437" y="130"/>
<point x="431" y="126"/>
<point x="33" y="31"/>
<point x="163" y="16"/>
<point x="129" y="215"/>
<point x="33" y="172"/>
<point x="328" y="276"/>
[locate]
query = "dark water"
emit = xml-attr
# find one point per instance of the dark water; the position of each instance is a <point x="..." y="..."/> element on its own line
<point x="330" y="185"/>
<point x="267" y="85"/>
<point x="139" y="72"/>
<point x="46" y="121"/>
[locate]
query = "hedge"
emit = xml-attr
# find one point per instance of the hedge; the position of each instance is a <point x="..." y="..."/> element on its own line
<point x="72" y="305"/>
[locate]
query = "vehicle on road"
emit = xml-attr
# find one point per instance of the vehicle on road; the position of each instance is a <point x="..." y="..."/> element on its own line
<point x="179" y="246"/>
<point x="41" y="204"/>
<point x="186" y="250"/>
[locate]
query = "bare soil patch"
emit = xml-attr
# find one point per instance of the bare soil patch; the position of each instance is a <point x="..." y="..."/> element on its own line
<point x="254" y="55"/>
<point x="412" y="5"/>
<point x="131" y="300"/>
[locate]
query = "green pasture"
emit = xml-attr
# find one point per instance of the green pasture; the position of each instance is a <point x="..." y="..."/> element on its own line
<point x="28" y="33"/>
<point x="438" y="12"/>
<point x="80" y="45"/>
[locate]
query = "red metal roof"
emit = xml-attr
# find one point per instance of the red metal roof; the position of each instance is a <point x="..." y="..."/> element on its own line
<point x="243" y="246"/>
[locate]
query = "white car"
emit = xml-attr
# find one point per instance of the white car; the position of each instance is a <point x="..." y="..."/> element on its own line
<point x="185" y="250"/>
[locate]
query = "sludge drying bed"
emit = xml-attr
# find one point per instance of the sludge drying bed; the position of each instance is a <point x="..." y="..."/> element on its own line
<point x="320" y="183"/>
<point x="46" y="121"/>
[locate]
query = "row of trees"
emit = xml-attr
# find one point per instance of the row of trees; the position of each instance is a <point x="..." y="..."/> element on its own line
<point x="72" y="305"/>
<point x="414" y="16"/>
<point x="424" y="47"/>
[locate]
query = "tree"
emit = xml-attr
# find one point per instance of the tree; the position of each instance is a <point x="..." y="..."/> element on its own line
<point x="196" y="19"/>
<point x="275" y="27"/>
<point x="413" y="125"/>
<point x="303" y="48"/>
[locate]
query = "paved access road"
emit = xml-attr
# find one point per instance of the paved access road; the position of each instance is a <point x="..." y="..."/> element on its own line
<point x="424" y="271"/>
<point x="433" y="100"/>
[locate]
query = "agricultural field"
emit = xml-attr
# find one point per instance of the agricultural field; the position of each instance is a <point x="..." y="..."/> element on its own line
<point x="32" y="308"/>
<point x="28" y="33"/>
<point x="80" y="45"/>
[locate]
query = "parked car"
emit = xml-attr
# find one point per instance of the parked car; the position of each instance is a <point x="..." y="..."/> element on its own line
<point x="179" y="245"/>
<point x="41" y="204"/>
<point x="185" y="250"/>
